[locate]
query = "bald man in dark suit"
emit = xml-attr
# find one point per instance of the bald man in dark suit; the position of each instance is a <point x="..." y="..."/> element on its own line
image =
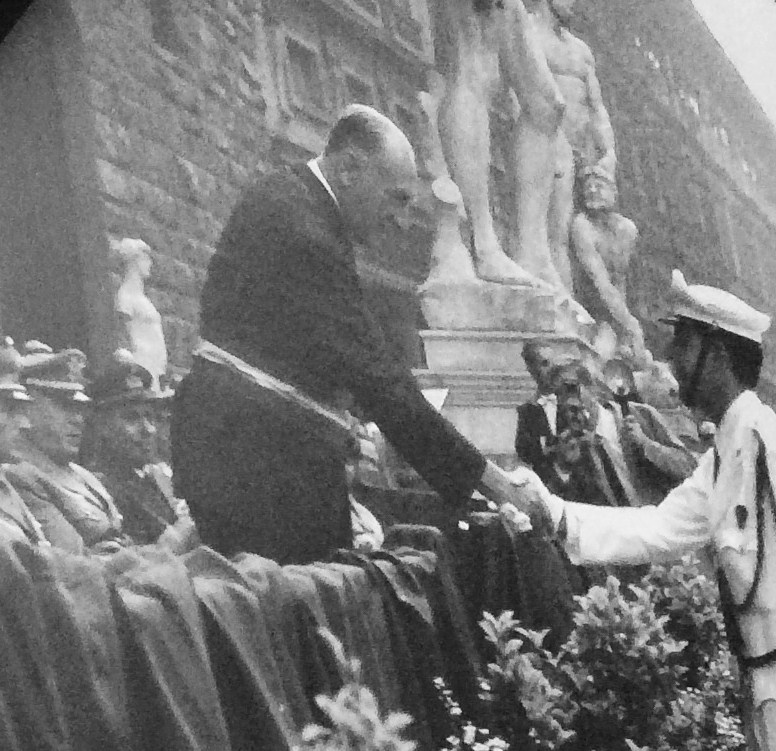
<point x="259" y="446"/>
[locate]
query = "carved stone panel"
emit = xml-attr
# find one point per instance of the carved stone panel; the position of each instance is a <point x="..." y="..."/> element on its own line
<point x="358" y="88"/>
<point x="303" y="81"/>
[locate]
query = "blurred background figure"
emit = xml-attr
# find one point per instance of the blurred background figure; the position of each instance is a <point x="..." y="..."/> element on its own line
<point x="17" y="522"/>
<point x="49" y="479"/>
<point x="122" y="443"/>
<point x="537" y="419"/>
<point x="657" y="459"/>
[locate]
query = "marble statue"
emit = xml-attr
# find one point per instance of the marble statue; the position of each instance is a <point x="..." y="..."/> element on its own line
<point x="475" y="41"/>
<point x="546" y="159"/>
<point x="602" y="245"/>
<point x="142" y="321"/>
<point x="451" y="259"/>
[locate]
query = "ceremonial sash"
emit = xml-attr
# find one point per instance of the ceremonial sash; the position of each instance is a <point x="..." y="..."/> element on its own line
<point x="212" y="353"/>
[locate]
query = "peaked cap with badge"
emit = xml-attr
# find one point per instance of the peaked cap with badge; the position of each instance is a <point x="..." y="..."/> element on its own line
<point x="716" y="308"/>
<point x="11" y="388"/>
<point x="58" y="375"/>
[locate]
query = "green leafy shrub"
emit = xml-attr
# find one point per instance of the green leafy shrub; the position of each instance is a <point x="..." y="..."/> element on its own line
<point x="646" y="667"/>
<point x="466" y="736"/>
<point x="688" y="594"/>
<point x="354" y="715"/>
<point x="527" y="697"/>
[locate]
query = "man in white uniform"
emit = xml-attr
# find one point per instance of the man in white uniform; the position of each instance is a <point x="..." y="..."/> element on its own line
<point x="716" y="356"/>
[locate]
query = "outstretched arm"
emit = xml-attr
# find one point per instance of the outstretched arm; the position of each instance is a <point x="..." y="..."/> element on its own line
<point x="595" y="535"/>
<point x="526" y="71"/>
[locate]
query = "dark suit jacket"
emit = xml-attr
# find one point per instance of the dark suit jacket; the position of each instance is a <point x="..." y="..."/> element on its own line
<point x="282" y="292"/>
<point x="532" y="426"/>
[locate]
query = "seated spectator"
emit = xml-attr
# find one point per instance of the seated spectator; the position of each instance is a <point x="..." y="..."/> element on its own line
<point x="49" y="476"/>
<point x="121" y="444"/>
<point x="17" y="522"/>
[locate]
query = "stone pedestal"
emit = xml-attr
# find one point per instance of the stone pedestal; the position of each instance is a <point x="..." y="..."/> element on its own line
<point x="486" y="379"/>
<point x="474" y="349"/>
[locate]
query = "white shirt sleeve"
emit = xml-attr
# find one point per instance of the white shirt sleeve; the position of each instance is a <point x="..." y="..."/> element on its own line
<point x="599" y="535"/>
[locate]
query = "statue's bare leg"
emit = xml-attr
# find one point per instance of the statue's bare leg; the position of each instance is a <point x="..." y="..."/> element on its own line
<point x="465" y="132"/>
<point x="533" y="156"/>
<point x="562" y="209"/>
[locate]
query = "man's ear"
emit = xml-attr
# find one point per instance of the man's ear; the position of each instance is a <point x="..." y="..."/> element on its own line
<point x="352" y="164"/>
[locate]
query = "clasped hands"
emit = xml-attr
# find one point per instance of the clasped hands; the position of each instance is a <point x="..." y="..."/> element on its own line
<point x="523" y="501"/>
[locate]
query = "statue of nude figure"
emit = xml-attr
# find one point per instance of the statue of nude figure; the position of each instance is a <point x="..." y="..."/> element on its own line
<point x="476" y="42"/>
<point x="602" y="245"/>
<point x="546" y="168"/>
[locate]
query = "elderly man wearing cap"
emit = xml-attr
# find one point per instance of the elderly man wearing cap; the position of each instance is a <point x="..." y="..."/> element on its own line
<point x="51" y="476"/>
<point x="728" y="501"/>
<point x="17" y="522"/>
<point x="121" y="445"/>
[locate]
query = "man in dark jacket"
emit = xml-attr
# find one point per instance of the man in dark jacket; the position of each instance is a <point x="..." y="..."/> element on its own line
<point x="537" y="419"/>
<point x="259" y="444"/>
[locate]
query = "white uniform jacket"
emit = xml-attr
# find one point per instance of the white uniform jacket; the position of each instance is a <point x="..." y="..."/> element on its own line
<point x="717" y="504"/>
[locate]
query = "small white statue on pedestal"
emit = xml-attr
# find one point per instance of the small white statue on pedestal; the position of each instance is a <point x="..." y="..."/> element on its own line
<point x="141" y="318"/>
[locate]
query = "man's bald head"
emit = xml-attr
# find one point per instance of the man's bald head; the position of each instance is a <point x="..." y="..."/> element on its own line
<point x="364" y="128"/>
<point x="370" y="165"/>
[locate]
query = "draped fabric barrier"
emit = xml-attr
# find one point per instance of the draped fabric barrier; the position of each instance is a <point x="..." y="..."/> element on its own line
<point x="145" y="651"/>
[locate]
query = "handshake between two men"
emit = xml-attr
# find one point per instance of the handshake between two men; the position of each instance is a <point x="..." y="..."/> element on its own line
<point x="523" y="501"/>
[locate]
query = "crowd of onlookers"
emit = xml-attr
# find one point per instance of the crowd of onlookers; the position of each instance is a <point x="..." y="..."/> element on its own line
<point x="85" y="456"/>
<point x="613" y="436"/>
<point x="595" y="438"/>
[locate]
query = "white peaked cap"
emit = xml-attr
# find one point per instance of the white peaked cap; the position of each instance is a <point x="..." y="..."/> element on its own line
<point x="714" y="306"/>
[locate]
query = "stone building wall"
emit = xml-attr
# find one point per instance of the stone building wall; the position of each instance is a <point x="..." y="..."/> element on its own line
<point x="181" y="117"/>
<point x="694" y="151"/>
<point x="187" y="99"/>
<point x="175" y="103"/>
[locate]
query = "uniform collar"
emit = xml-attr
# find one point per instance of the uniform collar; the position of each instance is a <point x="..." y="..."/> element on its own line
<point x="315" y="168"/>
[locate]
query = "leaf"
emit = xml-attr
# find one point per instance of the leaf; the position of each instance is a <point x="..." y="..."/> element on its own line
<point x="397" y="721"/>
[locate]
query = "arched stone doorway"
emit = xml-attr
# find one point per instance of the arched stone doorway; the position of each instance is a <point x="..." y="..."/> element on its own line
<point x="49" y="222"/>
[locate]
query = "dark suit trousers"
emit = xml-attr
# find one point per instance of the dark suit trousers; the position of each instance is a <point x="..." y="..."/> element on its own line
<point x="259" y="474"/>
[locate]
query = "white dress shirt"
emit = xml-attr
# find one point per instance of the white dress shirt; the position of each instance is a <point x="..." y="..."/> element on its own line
<point x="549" y="403"/>
<point x="315" y="168"/>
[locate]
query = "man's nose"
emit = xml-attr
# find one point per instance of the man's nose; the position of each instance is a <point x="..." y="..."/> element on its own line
<point x="149" y="428"/>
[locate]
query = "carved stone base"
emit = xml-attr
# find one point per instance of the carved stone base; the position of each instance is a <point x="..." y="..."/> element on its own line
<point x="486" y="379"/>
<point x="474" y="304"/>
